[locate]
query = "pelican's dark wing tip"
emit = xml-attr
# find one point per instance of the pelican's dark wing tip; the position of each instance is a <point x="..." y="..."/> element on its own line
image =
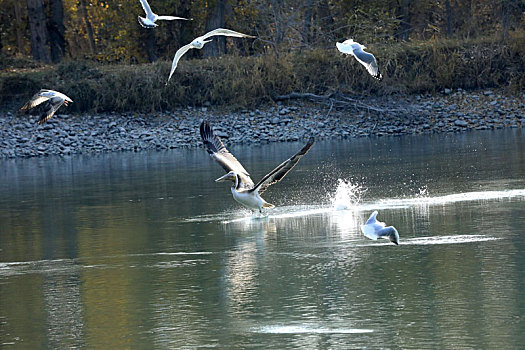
<point x="206" y="130"/>
<point x="308" y="145"/>
<point x="211" y="141"/>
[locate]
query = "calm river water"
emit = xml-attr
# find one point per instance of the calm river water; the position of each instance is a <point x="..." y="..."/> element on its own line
<point x="145" y="250"/>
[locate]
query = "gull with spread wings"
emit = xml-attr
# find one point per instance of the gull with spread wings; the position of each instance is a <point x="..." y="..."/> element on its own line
<point x="350" y="47"/>
<point x="54" y="100"/>
<point x="243" y="189"/>
<point x="151" y="17"/>
<point x="199" y="42"/>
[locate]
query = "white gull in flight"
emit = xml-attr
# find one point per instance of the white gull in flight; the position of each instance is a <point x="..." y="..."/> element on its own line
<point x="350" y="47"/>
<point x="53" y="99"/>
<point x="199" y="42"/>
<point x="374" y="229"/>
<point x="151" y="18"/>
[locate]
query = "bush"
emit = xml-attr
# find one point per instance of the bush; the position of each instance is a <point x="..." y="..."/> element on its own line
<point x="241" y="82"/>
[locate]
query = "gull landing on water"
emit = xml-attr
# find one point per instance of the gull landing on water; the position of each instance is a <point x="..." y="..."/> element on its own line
<point x="374" y="229"/>
<point x="243" y="189"/>
<point x="151" y="18"/>
<point x="198" y="43"/>
<point x="53" y="99"/>
<point x="350" y="47"/>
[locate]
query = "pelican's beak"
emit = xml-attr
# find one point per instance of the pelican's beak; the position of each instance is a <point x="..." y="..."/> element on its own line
<point x="207" y="41"/>
<point x="227" y="177"/>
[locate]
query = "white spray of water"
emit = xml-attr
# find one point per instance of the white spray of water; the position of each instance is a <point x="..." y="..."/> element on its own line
<point x="347" y="195"/>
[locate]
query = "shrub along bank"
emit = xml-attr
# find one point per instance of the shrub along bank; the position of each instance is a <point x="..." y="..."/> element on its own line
<point x="240" y="82"/>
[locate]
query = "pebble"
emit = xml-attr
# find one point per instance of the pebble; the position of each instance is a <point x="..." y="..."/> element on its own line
<point x="461" y="123"/>
<point x="453" y="111"/>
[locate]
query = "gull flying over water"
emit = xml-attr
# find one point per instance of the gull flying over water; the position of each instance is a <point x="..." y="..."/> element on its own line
<point x="53" y="100"/>
<point x="151" y="18"/>
<point x="243" y="189"/>
<point x="350" y="47"/>
<point x="198" y="43"/>
<point x="374" y="229"/>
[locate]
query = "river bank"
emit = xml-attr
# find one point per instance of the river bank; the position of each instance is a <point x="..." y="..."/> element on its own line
<point x="450" y="111"/>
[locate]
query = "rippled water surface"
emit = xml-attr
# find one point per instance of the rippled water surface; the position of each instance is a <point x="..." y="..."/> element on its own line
<point x="146" y="251"/>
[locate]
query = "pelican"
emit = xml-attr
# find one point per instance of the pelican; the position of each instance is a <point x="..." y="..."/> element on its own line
<point x="243" y="189"/>
<point x="151" y="18"/>
<point x="199" y="42"/>
<point x="374" y="229"/>
<point x="350" y="47"/>
<point x="53" y="99"/>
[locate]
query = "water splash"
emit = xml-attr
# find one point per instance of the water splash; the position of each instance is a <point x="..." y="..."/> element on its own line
<point x="347" y="195"/>
<point x="423" y="192"/>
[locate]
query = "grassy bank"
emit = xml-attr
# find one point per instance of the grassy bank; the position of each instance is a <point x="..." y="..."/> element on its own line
<point x="241" y="82"/>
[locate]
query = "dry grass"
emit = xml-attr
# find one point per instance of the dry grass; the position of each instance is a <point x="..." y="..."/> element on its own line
<point x="241" y="82"/>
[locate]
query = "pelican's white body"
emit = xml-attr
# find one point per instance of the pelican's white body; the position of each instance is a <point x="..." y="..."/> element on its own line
<point x="251" y="200"/>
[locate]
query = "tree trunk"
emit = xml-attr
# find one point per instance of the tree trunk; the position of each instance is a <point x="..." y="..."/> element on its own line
<point x="505" y="17"/>
<point x="278" y="19"/>
<point x="449" y="18"/>
<point x="18" y="28"/>
<point x="55" y="26"/>
<point x="150" y="45"/>
<point x="307" y="22"/>
<point x="403" y="32"/>
<point x="37" y="26"/>
<point x="216" y="20"/>
<point x="325" y="20"/>
<point x="89" y="28"/>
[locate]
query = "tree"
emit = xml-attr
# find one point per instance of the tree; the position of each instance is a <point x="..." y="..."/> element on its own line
<point x="39" y="35"/>
<point x="150" y="45"/>
<point x="403" y="32"/>
<point x="449" y="18"/>
<point x="89" y="28"/>
<point x="56" y="29"/>
<point x="18" y="25"/>
<point x="215" y="19"/>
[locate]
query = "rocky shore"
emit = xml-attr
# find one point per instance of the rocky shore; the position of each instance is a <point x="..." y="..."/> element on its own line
<point x="450" y="111"/>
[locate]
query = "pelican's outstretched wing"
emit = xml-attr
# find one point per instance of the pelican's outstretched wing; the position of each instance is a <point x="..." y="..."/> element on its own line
<point x="369" y="61"/>
<point x="147" y="9"/>
<point x="225" y="32"/>
<point x="171" y="18"/>
<point x="35" y="101"/>
<point x="51" y="107"/>
<point x="180" y="52"/>
<point x="218" y="151"/>
<point x="280" y="172"/>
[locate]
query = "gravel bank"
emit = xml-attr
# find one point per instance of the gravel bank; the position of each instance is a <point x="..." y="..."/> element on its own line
<point x="451" y="111"/>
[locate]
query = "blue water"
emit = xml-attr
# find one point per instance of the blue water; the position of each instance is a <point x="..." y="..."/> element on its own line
<point x="145" y="250"/>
